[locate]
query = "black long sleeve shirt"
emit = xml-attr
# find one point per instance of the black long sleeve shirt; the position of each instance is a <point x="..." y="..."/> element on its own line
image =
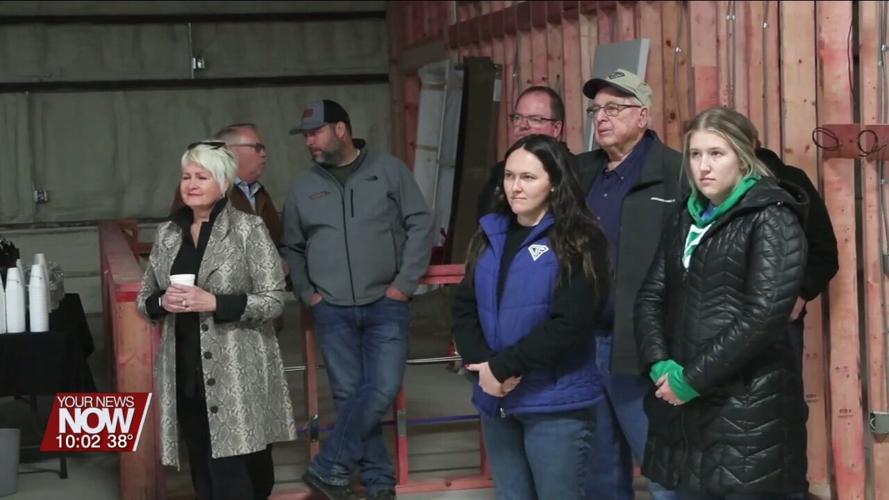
<point x="189" y="376"/>
<point x="568" y="328"/>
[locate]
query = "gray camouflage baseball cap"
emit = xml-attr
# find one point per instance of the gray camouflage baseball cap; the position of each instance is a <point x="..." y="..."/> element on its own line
<point x="318" y="113"/>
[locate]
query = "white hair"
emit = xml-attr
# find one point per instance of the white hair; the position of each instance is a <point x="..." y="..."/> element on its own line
<point x="219" y="161"/>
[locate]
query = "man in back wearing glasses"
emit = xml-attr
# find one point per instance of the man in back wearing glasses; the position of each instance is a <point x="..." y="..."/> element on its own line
<point x="538" y="110"/>
<point x="248" y="194"/>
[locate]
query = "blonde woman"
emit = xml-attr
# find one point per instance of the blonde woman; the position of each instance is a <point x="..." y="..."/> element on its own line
<point x="218" y="376"/>
<point x="726" y="408"/>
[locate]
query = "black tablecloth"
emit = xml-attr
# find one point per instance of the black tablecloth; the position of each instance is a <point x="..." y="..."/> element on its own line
<point x="49" y="362"/>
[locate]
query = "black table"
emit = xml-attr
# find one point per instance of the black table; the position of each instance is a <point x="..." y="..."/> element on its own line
<point x="45" y="363"/>
<point x="49" y="362"/>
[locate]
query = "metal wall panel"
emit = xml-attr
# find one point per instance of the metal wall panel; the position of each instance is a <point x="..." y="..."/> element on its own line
<point x="288" y="48"/>
<point x="116" y="154"/>
<point x="113" y="52"/>
<point x="78" y="52"/>
<point x="177" y="8"/>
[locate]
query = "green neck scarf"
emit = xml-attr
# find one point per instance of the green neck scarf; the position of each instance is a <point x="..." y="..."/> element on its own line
<point x="698" y="204"/>
<point x="696" y="207"/>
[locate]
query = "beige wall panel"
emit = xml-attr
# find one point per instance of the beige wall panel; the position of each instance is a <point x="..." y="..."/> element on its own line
<point x="116" y="154"/>
<point x="83" y="52"/>
<point x="15" y="159"/>
<point x="159" y="8"/>
<point x="112" y="52"/>
<point x="287" y="48"/>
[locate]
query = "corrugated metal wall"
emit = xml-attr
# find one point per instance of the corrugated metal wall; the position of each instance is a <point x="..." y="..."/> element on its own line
<point x="98" y="101"/>
<point x="825" y="70"/>
<point x="97" y="108"/>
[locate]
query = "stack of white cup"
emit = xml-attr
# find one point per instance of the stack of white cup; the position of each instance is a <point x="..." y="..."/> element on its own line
<point x="21" y="305"/>
<point x="15" y="301"/>
<point x="38" y="299"/>
<point x="2" y="308"/>
<point x="40" y="259"/>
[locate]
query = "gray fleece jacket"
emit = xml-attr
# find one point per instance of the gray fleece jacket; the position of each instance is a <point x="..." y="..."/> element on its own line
<point x="349" y="243"/>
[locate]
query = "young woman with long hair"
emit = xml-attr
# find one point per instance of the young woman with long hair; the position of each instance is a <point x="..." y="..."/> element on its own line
<point x="537" y="275"/>
<point x="727" y="417"/>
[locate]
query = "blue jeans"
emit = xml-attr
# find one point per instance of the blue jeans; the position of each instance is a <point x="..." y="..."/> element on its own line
<point x="621" y="432"/>
<point x="703" y="496"/>
<point x="540" y="456"/>
<point x="364" y="349"/>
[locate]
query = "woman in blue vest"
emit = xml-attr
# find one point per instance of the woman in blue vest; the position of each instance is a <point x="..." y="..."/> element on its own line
<point x="537" y="274"/>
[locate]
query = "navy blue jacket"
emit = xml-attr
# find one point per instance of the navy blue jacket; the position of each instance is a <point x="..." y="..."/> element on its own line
<point x="527" y="301"/>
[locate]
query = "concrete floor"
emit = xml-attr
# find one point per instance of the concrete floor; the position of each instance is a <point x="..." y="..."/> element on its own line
<point x="436" y="451"/>
<point x="432" y="391"/>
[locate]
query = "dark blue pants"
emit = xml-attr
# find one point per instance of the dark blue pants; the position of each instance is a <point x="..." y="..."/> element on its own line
<point x="703" y="496"/>
<point x="621" y="432"/>
<point x="540" y="456"/>
<point x="365" y="350"/>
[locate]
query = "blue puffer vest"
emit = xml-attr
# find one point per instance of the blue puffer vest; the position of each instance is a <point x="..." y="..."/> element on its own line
<point x="526" y="302"/>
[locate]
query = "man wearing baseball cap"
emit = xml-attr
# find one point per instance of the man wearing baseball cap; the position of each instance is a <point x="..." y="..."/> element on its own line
<point x="632" y="186"/>
<point x="357" y="235"/>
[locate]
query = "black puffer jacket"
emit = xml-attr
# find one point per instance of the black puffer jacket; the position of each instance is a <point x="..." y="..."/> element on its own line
<point x="725" y="321"/>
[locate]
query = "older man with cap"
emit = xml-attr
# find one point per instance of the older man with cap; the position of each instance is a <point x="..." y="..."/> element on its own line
<point x="632" y="186"/>
<point x="357" y="235"/>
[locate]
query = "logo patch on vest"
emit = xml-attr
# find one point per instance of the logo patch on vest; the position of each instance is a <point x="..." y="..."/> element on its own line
<point x="537" y="250"/>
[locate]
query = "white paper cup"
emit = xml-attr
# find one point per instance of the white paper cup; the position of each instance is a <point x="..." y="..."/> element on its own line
<point x="182" y="279"/>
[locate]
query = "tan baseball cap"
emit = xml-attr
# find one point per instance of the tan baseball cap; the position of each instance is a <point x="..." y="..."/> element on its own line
<point x="624" y="81"/>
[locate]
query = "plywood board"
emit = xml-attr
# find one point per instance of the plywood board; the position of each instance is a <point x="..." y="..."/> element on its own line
<point x="835" y="105"/>
<point x="671" y="16"/>
<point x="771" y="133"/>
<point x="650" y="28"/>
<point x="626" y="21"/>
<point x="875" y="283"/>
<point x="797" y="26"/>
<point x="703" y="55"/>
<point x="554" y="58"/>
<point x="589" y="41"/>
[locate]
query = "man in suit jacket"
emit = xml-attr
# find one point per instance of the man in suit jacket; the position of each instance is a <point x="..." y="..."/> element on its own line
<point x="248" y="195"/>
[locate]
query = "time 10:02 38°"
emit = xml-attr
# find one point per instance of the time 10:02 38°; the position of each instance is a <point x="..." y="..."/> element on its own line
<point x="93" y="441"/>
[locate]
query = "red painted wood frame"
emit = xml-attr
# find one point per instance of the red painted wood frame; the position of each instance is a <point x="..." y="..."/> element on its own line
<point x="132" y="346"/>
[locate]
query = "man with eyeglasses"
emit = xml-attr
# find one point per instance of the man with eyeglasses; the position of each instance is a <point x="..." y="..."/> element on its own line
<point x="357" y="234"/>
<point x="538" y="110"/>
<point x="248" y="194"/>
<point x="632" y="186"/>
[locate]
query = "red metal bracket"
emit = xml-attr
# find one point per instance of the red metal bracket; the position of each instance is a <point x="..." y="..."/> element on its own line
<point x="853" y="140"/>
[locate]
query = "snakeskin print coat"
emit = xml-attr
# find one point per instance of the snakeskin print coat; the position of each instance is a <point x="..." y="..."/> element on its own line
<point x="249" y="401"/>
